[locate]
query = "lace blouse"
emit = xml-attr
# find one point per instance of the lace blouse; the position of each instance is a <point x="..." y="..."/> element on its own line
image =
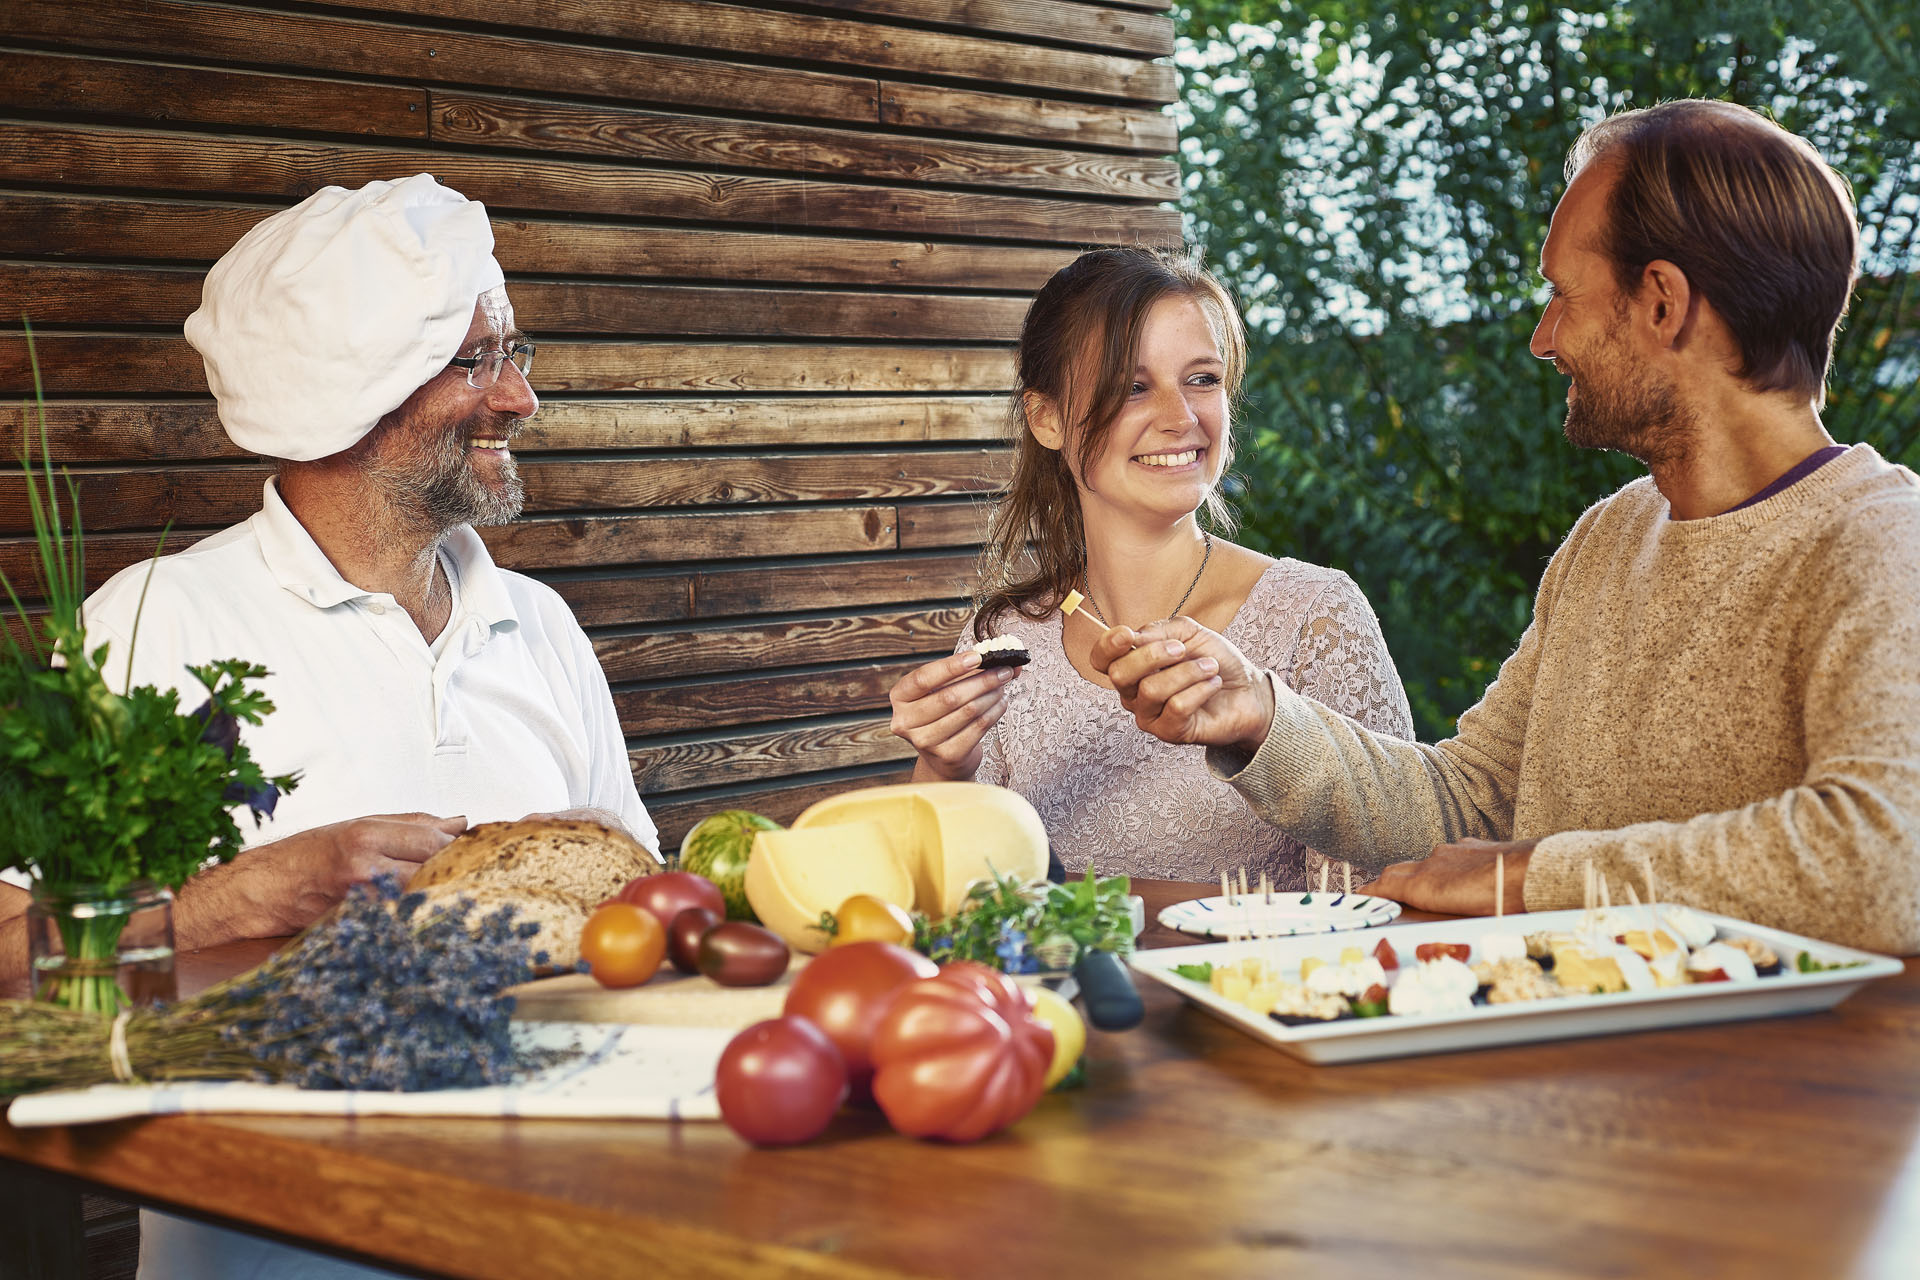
<point x="1120" y="799"/>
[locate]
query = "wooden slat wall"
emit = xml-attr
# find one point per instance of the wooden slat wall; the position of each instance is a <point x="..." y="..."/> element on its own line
<point x="774" y="254"/>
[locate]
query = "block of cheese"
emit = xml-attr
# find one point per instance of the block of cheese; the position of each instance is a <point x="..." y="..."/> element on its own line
<point x="793" y="876"/>
<point x="949" y="834"/>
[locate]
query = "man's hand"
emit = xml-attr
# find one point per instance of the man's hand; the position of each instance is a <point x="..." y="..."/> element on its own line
<point x="1186" y="684"/>
<point x="292" y="882"/>
<point x="1458" y="879"/>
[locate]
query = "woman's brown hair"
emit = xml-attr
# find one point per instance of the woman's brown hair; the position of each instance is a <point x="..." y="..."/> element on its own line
<point x="1077" y="350"/>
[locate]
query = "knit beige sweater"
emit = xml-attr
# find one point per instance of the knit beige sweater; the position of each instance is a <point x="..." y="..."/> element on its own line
<point x="1735" y="699"/>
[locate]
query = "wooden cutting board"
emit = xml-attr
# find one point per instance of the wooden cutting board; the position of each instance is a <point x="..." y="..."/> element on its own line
<point x="670" y="999"/>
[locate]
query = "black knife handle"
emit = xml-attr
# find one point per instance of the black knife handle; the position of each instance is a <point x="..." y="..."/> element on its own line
<point x="1107" y="991"/>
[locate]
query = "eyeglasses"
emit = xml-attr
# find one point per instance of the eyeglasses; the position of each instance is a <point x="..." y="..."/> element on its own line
<point x="483" y="370"/>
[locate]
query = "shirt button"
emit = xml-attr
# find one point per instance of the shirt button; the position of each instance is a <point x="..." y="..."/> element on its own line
<point x="376" y="609"/>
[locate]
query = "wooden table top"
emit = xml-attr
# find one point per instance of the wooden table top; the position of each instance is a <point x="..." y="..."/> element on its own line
<point x="1785" y="1147"/>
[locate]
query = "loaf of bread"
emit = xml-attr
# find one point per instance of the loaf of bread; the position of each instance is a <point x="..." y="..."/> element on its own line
<point x="582" y="860"/>
<point x="560" y="916"/>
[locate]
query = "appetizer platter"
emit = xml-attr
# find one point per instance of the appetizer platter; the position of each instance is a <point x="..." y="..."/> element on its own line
<point x="1478" y="983"/>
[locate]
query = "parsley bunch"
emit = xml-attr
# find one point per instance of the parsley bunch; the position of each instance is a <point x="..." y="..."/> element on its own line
<point x="1024" y="926"/>
<point x="100" y="788"/>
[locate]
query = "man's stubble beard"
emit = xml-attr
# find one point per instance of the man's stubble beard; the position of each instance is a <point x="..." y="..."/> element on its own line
<point x="427" y="476"/>
<point x="1621" y="408"/>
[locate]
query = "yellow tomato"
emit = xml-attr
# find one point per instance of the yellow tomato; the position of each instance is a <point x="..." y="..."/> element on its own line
<point x="865" y="918"/>
<point x="622" y="944"/>
<point x="1069" y="1032"/>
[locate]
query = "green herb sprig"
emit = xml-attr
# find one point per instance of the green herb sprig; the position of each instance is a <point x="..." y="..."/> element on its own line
<point x="103" y="788"/>
<point x="1021" y="926"/>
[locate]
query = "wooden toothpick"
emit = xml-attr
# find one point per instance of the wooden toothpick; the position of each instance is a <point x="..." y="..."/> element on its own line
<point x="1325" y="869"/>
<point x="1266" y="889"/>
<point x="1346" y="879"/>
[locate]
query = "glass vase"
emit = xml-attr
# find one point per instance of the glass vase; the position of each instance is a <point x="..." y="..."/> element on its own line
<point x="100" y="950"/>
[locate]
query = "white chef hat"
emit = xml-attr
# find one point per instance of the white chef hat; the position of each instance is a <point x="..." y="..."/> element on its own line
<point x="328" y="315"/>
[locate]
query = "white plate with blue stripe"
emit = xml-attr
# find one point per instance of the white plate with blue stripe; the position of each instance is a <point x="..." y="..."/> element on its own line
<point x="1284" y="915"/>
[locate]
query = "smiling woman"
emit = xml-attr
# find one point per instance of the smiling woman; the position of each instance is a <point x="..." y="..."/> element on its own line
<point x="1128" y="363"/>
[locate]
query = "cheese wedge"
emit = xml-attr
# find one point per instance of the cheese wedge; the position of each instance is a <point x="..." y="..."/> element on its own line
<point x="793" y="876"/>
<point x="948" y="834"/>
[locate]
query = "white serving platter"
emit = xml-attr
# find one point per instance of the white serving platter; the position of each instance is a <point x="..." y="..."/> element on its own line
<point x="1286" y="915"/>
<point x="1488" y="1026"/>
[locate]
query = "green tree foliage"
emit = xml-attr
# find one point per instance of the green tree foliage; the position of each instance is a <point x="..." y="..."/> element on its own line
<point x="1375" y="177"/>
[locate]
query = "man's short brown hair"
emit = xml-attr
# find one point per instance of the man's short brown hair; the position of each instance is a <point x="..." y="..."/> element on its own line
<point x="1761" y="226"/>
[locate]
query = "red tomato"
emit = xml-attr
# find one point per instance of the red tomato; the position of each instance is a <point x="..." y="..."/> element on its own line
<point x="1434" y="950"/>
<point x="668" y="893"/>
<point x="845" y="991"/>
<point x="684" y="932"/>
<point x="780" y="1081"/>
<point x="1384" y="954"/>
<point x="960" y="1055"/>
<point x="622" y="944"/>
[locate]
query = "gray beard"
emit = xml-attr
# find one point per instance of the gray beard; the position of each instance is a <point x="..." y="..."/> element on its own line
<point x="438" y="490"/>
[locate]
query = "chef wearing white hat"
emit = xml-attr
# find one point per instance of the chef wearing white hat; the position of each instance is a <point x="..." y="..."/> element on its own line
<point x="364" y="340"/>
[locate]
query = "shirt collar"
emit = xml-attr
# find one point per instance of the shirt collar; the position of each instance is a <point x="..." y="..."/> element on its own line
<point x="300" y="566"/>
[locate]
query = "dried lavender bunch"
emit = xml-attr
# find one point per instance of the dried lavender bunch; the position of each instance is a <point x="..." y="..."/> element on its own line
<point x="375" y="996"/>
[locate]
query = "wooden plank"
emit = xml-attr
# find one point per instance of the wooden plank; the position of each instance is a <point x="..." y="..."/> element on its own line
<point x="761" y="33"/>
<point x="34" y="153"/>
<point x="89" y="363"/>
<point x="733" y="590"/>
<point x="576" y="248"/>
<point x="312" y="42"/>
<point x="486" y="120"/>
<point x="709" y="368"/>
<point x="699" y="705"/>
<point x="148" y="498"/>
<point x="696" y="311"/>
<point x="1073" y="124"/>
<point x="704" y="480"/>
<point x="732" y="759"/>
<point x="92" y="431"/>
<point x="574" y="542"/>
<point x="566" y="542"/>
<point x="115" y="431"/>
<point x="675" y="815"/>
<point x="944" y="524"/>
<point x="82" y="363"/>
<point x="92" y="86"/>
<point x="87" y="296"/>
<point x="1043" y="20"/>
<point x="44" y="225"/>
<point x="49" y="294"/>
<point x="658" y="655"/>
<point x="669" y="424"/>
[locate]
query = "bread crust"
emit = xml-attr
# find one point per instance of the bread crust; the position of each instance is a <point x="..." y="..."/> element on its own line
<point x="582" y="860"/>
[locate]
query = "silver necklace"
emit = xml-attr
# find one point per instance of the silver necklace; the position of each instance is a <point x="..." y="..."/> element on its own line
<point x="1206" y="555"/>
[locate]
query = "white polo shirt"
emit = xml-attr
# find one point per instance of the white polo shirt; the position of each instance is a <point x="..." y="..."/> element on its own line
<point x="506" y="713"/>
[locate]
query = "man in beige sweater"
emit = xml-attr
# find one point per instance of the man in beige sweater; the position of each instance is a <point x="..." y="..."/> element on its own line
<point x="1721" y="680"/>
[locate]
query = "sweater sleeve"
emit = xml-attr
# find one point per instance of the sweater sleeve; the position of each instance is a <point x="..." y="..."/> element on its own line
<point x="1367" y="797"/>
<point x="1838" y="855"/>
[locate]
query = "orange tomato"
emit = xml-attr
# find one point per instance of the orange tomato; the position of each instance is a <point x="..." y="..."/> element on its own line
<point x="865" y="918"/>
<point x="622" y="944"/>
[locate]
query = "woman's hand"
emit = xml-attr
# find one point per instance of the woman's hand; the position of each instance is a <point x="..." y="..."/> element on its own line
<point x="945" y="708"/>
<point x="1186" y="684"/>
